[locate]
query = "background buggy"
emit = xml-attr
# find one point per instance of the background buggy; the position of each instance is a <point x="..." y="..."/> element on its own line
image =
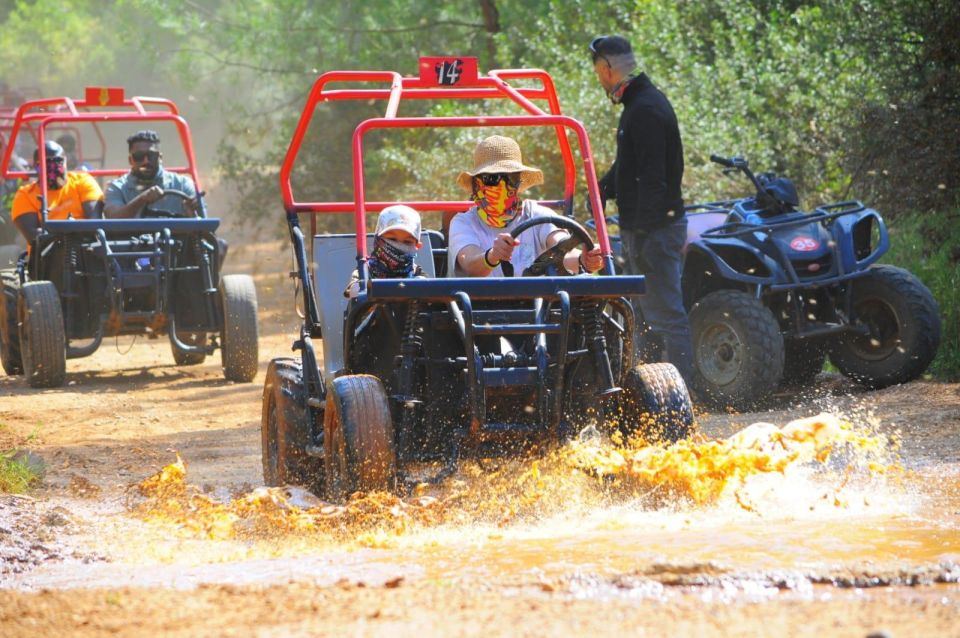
<point x="84" y="280"/>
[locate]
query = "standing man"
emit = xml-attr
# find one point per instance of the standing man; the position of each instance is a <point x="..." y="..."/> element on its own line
<point x="143" y="186"/>
<point x="645" y="181"/>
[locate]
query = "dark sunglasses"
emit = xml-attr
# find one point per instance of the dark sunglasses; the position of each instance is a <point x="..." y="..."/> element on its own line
<point x="593" y="49"/>
<point x="139" y="156"/>
<point x="492" y="179"/>
<point x="56" y="159"/>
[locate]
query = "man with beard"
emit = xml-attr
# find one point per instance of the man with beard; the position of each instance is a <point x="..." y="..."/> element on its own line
<point x="69" y="195"/>
<point x="143" y="186"/>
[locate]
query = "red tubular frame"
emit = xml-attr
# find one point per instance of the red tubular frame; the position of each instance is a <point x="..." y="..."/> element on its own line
<point x="494" y="85"/>
<point x="37" y="112"/>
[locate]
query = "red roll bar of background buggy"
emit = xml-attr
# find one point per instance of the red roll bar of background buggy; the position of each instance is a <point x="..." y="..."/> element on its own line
<point x="494" y="85"/>
<point x="31" y="112"/>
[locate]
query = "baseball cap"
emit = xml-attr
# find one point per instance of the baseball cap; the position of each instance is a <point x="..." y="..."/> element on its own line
<point x="400" y="217"/>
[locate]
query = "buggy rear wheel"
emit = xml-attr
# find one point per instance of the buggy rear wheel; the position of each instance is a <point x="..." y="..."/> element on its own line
<point x="9" y="330"/>
<point x="656" y="404"/>
<point x="904" y="329"/>
<point x="42" y="338"/>
<point x="285" y="429"/>
<point x="737" y="349"/>
<point x="359" y="448"/>
<point x="189" y="358"/>
<point x="238" y="338"/>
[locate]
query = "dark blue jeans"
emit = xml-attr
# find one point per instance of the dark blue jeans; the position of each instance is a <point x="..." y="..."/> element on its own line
<point x="657" y="255"/>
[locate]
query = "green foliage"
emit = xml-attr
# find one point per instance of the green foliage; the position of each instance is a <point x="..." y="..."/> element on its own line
<point x="928" y="245"/>
<point x="15" y="475"/>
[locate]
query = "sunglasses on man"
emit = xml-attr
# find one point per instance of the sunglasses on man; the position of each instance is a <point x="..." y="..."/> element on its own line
<point x="493" y="179"/>
<point x="139" y="156"/>
<point x="597" y="55"/>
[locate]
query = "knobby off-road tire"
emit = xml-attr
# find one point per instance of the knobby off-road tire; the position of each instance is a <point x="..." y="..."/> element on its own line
<point x="285" y="429"/>
<point x="238" y="339"/>
<point x="803" y="360"/>
<point x="737" y="350"/>
<point x="189" y="358"/>
<point x="655" y="404"/>
<point x="43" y="344"/>
<point x="904" y="322"/>
<point x="9" y="330"/>
<point x="358" y="439"/>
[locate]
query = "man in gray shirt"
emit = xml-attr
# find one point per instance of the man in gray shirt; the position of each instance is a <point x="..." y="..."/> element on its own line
<point x="143" y="187"/>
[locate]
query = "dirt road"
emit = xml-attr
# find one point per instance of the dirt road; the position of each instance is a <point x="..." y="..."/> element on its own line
<point x="798" y="555"/>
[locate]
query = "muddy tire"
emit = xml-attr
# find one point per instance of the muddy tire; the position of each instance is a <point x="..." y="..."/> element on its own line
<point x="9" y="330"/>
<point x="285" y="429"/>
<point x="238" y="339"/>
<point x="189" y="358"/>
<point x="359" y="448"/>
<point x="803" y="360"/>
<point x="655" y="404"/>
<point x="42" y="337"/>
<point x="904" y="322"/>
<point x="737" y="350"/>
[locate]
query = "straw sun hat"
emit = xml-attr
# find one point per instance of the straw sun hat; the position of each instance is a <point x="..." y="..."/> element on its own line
<point x="499" y="154"/>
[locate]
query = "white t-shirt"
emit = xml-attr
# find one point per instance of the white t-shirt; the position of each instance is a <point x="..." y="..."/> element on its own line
<point x="467" y="229"/>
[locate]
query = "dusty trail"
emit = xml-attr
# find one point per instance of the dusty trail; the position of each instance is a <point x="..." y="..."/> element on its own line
<point x="805" y="555"/>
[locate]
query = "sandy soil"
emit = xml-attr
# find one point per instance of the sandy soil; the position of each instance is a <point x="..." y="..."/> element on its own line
<point x="123" y="415"/>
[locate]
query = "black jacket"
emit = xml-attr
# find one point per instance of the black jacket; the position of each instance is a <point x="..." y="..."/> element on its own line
<point x="645" y="178"/>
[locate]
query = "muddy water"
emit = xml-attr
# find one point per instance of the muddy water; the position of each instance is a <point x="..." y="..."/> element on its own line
<point x="817" y="501"/>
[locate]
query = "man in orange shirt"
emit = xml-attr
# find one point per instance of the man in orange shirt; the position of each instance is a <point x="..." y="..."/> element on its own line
<point x="69" y="195"/>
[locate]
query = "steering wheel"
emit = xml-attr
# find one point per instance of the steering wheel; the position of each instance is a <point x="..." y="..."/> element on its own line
<point x="550" y="261"/>
<point x="146" y="211"/>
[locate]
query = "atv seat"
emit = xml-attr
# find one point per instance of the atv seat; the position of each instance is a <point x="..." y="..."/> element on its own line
<point x="334" y="258"/>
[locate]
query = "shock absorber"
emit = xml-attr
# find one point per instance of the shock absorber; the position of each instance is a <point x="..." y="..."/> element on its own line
<point x="410" y="347"/>
<point x="590" y="315"/>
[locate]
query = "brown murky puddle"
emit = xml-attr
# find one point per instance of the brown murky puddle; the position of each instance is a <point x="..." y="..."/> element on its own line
<point x="818" y="501"/>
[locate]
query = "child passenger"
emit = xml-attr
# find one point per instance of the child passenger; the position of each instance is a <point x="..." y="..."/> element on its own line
<point x="394" y="248"/>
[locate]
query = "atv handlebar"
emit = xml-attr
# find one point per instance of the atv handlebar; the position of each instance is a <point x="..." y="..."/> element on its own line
<point x="723" y="161"/>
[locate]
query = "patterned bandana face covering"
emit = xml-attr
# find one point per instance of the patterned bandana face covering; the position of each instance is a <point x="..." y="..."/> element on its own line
<point x="616" y="95"/>
<point x="497" y="205"/>
<point x="56" y="173"/>
<point x="390" y="259"/>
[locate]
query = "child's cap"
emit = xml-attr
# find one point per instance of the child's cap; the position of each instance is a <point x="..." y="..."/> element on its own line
<point x="399" y="216"/>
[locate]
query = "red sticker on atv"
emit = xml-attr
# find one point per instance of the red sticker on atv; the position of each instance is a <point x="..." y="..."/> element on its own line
<point x="804" y="244"/>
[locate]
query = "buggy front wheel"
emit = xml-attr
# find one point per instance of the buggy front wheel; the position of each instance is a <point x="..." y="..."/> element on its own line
<point x="43" y="344"/>
<point x="358" y="443"/>
<point x="656" y="404"/>
<point x="285" y="430"/>
<point x="238" y="338"/>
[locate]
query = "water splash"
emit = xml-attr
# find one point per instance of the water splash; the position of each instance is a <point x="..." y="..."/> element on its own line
<point x="693" y="475"/>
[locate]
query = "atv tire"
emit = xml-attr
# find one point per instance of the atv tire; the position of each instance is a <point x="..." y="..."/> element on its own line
<point x="904" y="322"/>
<point x="182" y="358"/>
<point x="238" y="339"/>
<point x="285" y="429"/>
<point x="9" y="330"/>
<point x="803" y="360"/>
<point x="655" y="404"/>
<point x="359" y="447"/>
<point x="43" y="343"/>
<point x="737" y="350"/>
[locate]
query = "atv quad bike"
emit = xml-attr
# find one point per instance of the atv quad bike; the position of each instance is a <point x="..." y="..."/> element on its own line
<point x="86" y="279"/>
<point x="431" y="369"/>
<point x="772" y="291"/>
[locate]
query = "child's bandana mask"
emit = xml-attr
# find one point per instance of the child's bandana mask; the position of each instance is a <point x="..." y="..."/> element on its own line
<point x="497" y="205"/>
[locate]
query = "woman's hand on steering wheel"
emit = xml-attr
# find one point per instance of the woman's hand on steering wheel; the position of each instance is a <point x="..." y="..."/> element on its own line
<point x="550" y="261"/>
